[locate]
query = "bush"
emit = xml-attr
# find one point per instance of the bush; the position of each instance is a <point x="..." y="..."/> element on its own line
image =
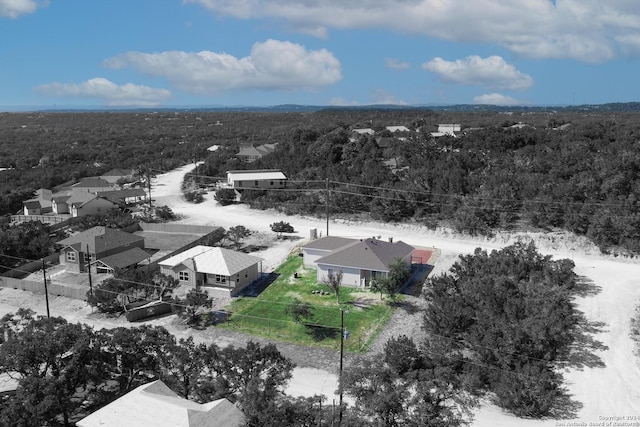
<point x="225" y="196"/>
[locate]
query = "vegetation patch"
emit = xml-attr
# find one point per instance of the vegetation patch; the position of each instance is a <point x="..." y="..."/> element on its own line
<point x="271" y="314"/>
<point x="508" y="321"/>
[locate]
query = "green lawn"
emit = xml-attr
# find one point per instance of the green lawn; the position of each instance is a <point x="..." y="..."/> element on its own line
<point x="364" y="313"/>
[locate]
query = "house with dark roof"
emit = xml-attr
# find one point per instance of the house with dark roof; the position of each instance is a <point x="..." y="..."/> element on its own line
<point x="103" y="250"/>
<point x="38" y="205"/>
<point x="84" y="203"/>
<point x="156" y="405"/>
<point x="360" y="261"/>
<point x="124" y="197"/>
<point x="115" y="175"/>
<point x="250" y="153"/>
<point x="93" y="185"/>
<point x="222" y="272"/>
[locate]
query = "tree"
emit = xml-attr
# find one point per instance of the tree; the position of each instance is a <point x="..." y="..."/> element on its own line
<point x="393" y="393"/>
<point x="255" y="376"/>
<point x="281" y="227"/>
<point x="237" y="234"/>
<point x="511" y="310"/>
<point x="299" y="310"/>
<point x="225" y="196"/>
<point x="334" y="281"/>
<point x="181" y="366"/>
<point x="58" y="363"/>
<point x="132" y="355"/>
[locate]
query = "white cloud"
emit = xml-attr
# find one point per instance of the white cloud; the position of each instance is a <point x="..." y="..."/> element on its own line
<point x="586" y="30"/>
<point x="107" y="92"/>
<point x="15" y="8"/>
<point x="492" y="72"/>
<point x="497" y="99"/>
<point x="395" y="64"/>
<point x="272" y="65"/>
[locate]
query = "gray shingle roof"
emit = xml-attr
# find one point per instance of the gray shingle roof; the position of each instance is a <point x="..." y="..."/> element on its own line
<point x="329" y="243"/>
<point x="99" y="239"/>
<point x="126" y="258"/>
<point x="369" y="254"/>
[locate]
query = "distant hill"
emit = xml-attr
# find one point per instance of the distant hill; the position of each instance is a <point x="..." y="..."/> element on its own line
<point x="292" y="108"/>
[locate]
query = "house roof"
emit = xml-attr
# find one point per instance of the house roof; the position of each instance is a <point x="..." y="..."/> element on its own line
<point x="126" y="258"/>
<point x="32" y="204"/>
<point x="80" y="197"/>
<point x="60" y="197"/>
<point x="364" y="131"/>
<point x="155" y="404"/>
<point x="329" y="243"/>
<point x="122" y="194"/>
<point x="100" y="239"/>
<point x="397" y="129"/>
<point x="369" y="254"/>
<point x="92" y="182"/>
<point x="212" y="260"/>
<point x="118" y="172"/>
<point x="254" y="175"/>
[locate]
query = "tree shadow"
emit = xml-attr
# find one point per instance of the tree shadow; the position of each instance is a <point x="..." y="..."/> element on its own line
<point x="582" y="351"/>
<point x="321" y="333"/>
<point x="418" y="274"/>
<point x="565" y="407"/>
<point x="259" y="285"/>
<point x="586" y="287"/>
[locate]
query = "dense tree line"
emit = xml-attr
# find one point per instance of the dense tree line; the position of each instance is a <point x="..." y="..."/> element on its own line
<point x="25" y="242"/>
<point x="66" y="371"/>
<point x="505" y="319"/>
<point x="583" y="178"/>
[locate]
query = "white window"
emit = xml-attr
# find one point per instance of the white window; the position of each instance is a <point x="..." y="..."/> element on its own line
<point x="71" y="256"/>
<point x="183" y="276"/>
<point x="221" y="279"/>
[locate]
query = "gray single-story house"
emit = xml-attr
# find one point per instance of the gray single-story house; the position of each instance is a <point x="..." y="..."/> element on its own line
<point x="359" y="260"/>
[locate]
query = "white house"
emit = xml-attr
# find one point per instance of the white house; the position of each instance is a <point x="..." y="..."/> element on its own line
<point x="260" y="179"/>
<point x="447" y="129"/>
<point x="222" y="272"/>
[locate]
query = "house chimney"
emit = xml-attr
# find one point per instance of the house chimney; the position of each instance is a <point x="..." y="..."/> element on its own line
<point x="390" y="239"/>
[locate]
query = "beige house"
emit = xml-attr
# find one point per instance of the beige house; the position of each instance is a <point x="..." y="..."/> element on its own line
<point x="222" y="272"/>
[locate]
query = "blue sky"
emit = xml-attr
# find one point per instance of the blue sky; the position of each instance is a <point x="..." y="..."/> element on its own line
<point x="317" y="52"/>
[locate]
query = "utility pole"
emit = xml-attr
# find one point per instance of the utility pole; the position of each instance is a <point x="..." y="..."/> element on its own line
<point x="326" y="204"/>
<point x="89" y="271"/>
<point x="341" y="357"/>
<point x="46" y="291"/>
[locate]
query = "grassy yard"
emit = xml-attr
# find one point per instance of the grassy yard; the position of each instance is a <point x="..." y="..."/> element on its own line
<point x="364" y="313"/>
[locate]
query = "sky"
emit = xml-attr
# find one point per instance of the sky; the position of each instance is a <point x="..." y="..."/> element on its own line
<point x="166" y="53"/>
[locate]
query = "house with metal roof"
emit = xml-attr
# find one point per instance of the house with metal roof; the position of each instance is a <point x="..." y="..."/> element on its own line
<point x="103" y="250"/>
<point x="156" y="405"/>
<point x="260" y="179"/>
<point x="221" y="272"/>
<point x="359" y="260"/>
